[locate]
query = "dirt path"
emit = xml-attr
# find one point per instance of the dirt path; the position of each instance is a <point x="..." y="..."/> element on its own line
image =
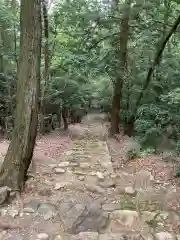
<point x="77" y="194"/>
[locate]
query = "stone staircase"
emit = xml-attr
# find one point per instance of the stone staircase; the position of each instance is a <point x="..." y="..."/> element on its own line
<point x="90" y="201"/>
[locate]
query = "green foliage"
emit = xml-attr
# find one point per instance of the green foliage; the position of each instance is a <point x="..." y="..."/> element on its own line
<point x="178" y="148"/>
<point x="132" y="154"/>
<point x="84" y="60"/>
<point x="178" y="172"/>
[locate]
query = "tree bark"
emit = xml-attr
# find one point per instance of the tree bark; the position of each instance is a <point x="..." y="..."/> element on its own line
<point x="18" y="158"/>
<point x="46" y="66"/>
<point x="65" y="117"/>
<point x="122" y="52"/>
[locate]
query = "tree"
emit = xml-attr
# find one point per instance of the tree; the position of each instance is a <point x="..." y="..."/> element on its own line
<point x="155" y="63"/>
<point x="20" y="151"/>
<point x="46" y="66"/>
<point x="122" y="55"/>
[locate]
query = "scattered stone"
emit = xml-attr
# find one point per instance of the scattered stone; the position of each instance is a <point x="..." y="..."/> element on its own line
<point x="130" y="190"/>
<point x="73" y="164"/>
<point x="61" y="185"/>
<point x="178" y="237"/>
<point x="79" y="173"/>
<point x="125" y="217"/>
<point x="148" y="216"/>
<point x="43" y="236"/>
<point x="2" y="234"/>
<point x="4" y="194"/>
<point x="81" y="178"/>
<point x="95" y="188"/>
<point x="107" y="183"/>
<point x="58" y="237"/>
<point x="32" y="206"/>
<point x="92" y="219"/>
<point x="110" y="207"/>
<point x="84" y="165"/>
<point x="13" y="212"/>
<point x="53" y="165"/>
<point x="143" y="180"/>
<point x="3" y="212"/>
<point x="59" y="170"/>
<point x="119" y="236"/>
<point x="69" y="212"/>
<point x="164" y="236"/>
<point x="47" y="210"/>
<point x="63" y="164"/>
<point x="100" y="175"/>
<point x="86" y="236"/>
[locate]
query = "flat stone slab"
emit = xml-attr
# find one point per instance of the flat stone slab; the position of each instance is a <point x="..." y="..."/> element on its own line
<point x="92" y="219"/>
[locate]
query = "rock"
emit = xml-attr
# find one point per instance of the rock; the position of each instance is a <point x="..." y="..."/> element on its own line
<point x="178" y="237"/>
<point x="130" y="190"/>
<point x="47" y="210"/>
<point x="13" y="212"/>
<point x="59" y="170"/>
<point x="92" y="219"/>
<point x="119" y="236"/>
<point x="61" y="185"/>
<point x="79" y="172"/>
<point x="3" y="212"/>
<point x="110" y="207"/>
<point x="43" y="236"/>
<point x="84" y="165"/>
<point x="73" y="164"/>
<point x="168" y="156"/>
<point x="143" y="180"/>
<point x="92" y="174"/>
<point x="69" y="212"/>
<point x="148" y="216"/>
<point x="81" y="178"/>
<point x="12" y="236"/>
<point x="63" y="164"/>
<point x="32" y="206"/>
<point x="125" y="217"/>
<point x="86" y="236"/>
<point x="132" y="144"/>
<point x="94" y="188"/>
<point x="53" y="165"/>
<point x="58" y="237"/>
<point x="4" y="194"/>
<point x="100" y="175"/>
<point x="164" y="236"/>
<point x="107" y="183"/>
<point x="3" y="234"/>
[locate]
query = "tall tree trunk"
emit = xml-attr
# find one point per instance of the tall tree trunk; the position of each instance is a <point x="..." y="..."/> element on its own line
<point x="46" y="67"/>
<point x="65" y="117"/>
<point x="20" y="151"/>
<point x="122" y="54"/>
<point x="14" y="11"/>
<point x="155" y="63"/>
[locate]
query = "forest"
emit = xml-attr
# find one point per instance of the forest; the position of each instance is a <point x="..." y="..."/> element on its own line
<point x="89" y="119"/>
<point x="68" y="58"/>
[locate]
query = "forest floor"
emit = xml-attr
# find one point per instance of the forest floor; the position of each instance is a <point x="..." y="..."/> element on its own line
<point x="83" y="188"/>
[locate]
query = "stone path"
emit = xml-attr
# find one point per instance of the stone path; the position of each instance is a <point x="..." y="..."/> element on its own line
<point x="80" y="197"/>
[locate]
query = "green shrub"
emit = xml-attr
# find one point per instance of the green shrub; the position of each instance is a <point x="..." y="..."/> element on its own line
<point x="178" y="172"/>
<point x="132" y="154"/>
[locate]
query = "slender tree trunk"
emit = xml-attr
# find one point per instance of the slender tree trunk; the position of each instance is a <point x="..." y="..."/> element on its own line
<point x="14" y="10"/>
<point x="46" y="67"/>
<point x="65" y="117"/>
<point x="122" y="52"/>
<point x="18" y="158"/>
